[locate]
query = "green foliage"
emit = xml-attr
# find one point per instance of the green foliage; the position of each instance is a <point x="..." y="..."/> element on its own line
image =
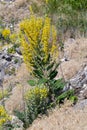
<point x="77" y="4"/>
<point x="70" y="15"/>
<point x="74" y="99"/>
<point x="68" y="95"/>
<point x="32" y="82"/>
<point x="52" y="6"/>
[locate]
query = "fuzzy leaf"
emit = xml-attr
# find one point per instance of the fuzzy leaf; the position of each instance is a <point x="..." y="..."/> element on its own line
<point x="42" y="81"/>
<point x="53" y="74"/>
<point x="59" y="84"/>
<point x="38" y="73"/>
<point x="32" y="82"/>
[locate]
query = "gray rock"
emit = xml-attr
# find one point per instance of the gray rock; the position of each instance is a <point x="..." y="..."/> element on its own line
<point x="81" y="104"/>
<point x="9" y="61"/>
<point x="16" y="123"/>
<point x="79" y="83"/>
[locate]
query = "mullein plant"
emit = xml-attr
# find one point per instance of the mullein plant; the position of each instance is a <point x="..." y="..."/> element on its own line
<point x="39" y="47"/>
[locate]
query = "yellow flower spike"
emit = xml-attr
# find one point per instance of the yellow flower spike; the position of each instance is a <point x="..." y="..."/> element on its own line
<point x="46" y="36"/>
<point x="54" y="35"/>
<point x="37" y="33"/>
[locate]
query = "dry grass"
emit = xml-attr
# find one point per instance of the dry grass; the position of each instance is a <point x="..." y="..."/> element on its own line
<point x="20" y="86"/>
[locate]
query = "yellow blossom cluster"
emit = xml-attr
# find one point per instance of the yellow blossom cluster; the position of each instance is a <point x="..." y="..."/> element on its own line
<point x="54" y="49"/>
<point x="37" y="35"/>
<point x="6" y="33"/>
<point x="3" y="116"/>
<point x="46" y="36"/>
<point x="38" y="92"/>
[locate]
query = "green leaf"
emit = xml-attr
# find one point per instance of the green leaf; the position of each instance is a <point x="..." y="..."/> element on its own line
<point x="42" y="81"/>
<point x="32" y="82"/>
<point x="74" y="99"/>
<point x="38" y="73"/>
<point x="59" y="84"/>
<point x="70" y="93"/>
<point x="62" y="97"/>
<point x="50" y="66"/>
<point x="48" y="59"/>
<point x="53" y="74"/>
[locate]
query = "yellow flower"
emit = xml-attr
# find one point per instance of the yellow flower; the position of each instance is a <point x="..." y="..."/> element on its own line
<point x="3" y="116"/>
<point x="37" y="35"/>
<point x="41" y="93"/>
<point x="6" y="33"/>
